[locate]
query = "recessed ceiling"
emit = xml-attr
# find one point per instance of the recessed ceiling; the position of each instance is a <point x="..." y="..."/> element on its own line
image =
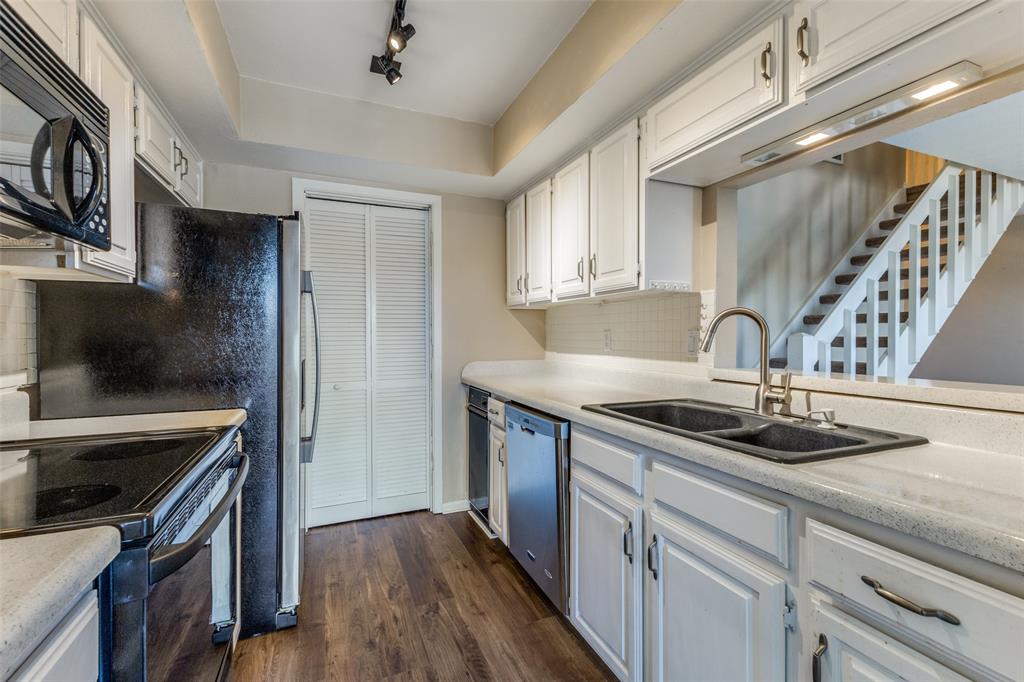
<point x="468" y="60"/>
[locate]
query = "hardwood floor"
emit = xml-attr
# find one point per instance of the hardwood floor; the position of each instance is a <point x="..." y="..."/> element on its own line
<point x="417" y="597"/>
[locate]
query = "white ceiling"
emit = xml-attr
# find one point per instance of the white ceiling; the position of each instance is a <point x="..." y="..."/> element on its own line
<point x="990" y="136"/>
<point x="468" y="60"/>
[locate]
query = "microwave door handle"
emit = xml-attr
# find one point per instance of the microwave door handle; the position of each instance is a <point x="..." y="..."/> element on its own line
<point x="169" y="559"/>
<point x="307" y="443"/>
<point x="99" y="176"/>
<point x="61" y="165"/>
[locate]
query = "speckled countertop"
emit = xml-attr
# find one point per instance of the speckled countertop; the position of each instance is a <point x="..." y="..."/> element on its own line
<point x="963" y="490"/>
<point x="40" y="576"/>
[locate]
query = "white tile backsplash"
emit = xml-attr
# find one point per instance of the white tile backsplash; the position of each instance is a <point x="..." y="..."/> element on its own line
<point x="17" y="327"/>
<point x="651" y="327"/>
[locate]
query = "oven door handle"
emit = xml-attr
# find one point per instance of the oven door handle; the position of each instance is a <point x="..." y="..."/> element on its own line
<point x="169" y="559"/>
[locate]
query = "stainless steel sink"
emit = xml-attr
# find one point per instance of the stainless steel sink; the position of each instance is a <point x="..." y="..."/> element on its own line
<point x="788" y="440"/>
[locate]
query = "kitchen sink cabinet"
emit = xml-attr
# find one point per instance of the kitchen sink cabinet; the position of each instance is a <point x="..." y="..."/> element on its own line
<point x="844" y="649"/>
<point x="712" y="614"/>
<point x="607" y="572"/>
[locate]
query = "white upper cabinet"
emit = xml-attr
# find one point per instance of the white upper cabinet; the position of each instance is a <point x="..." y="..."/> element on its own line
<point x="155" y="142"/>
<point x="56" y="22"/>
<point x="712" y="615"/>
<point x="833" y="36"/>
<point x="614" y="211"/>
<point x="570" y="229"/>
<point x="515" y="251"/>
<point x="607" y="573"/>
<point x="109" y="77"/>
<point x="537" y="280"/>
<point x="741" y="84"/>
<point x="188" y="173"/>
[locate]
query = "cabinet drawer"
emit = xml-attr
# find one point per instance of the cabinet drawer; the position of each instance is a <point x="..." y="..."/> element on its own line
<point x="755" y="522"/>
<point x="736" y="87"/>
<point x="991" y="622"/>
<point x="71" y="651"/>
<point x="618" y="462"/>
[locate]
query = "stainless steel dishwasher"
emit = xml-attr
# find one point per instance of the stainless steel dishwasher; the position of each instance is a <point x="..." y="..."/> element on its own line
<point x="538" y="498"/>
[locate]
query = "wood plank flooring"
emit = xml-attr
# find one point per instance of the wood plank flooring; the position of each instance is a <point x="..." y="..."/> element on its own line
<point x="417" y="597"/>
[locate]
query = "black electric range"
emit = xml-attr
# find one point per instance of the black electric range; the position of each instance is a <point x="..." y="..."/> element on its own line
<point x="173" y="497"/>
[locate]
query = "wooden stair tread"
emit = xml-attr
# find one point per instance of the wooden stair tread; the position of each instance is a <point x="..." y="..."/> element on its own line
<point x="862" y="342"/>
<point x="862" y="318"/>
<point x="848" y="277"/>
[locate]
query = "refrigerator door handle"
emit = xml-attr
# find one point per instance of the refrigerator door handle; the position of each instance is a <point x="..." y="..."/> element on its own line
<point x="306" y="443"/>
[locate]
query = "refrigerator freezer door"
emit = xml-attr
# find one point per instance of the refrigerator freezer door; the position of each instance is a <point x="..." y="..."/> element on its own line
<point x="291" y="427"/>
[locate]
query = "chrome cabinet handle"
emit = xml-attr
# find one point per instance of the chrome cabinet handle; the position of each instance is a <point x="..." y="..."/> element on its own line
<point x="905" y="603"/>
<point x="651" y="557"/>
<point x="526" y="282"/>
<point x="819" y="651"/>
<point x="501" y="449"/>
<point x="766" y="74"/>
<point x="519" y="284"/>
<point x="184" y="171"/>
<point x="627" y="541"/>
<point x="593" y="266"/>
<point x="178" y="156"/>
<point x="802" y="34"/>
<point x="579" y="269"/>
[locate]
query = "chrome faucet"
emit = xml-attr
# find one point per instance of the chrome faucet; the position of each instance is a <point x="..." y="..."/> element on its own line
<point x="767" y="397"/>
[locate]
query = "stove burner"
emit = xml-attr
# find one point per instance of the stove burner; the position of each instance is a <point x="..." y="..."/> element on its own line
<point x="113" y="451"/>
<point x="64" y="500"/>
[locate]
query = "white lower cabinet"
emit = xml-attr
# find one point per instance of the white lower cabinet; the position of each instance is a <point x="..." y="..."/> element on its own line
<point x="844" y="649"/>
<point x="606" y="573"/>
<point x="70" y="653"/>
<point x="497" y="509"/>
<point x="712" y="614"/>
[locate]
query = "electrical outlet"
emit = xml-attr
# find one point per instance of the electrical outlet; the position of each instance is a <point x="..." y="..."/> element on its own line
<point x="693" y="341"/>
<point x="607" y="340"/>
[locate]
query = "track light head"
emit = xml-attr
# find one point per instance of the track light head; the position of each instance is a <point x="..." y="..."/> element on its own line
<point x="386" y="66"/>
<point x="399" y="37"/>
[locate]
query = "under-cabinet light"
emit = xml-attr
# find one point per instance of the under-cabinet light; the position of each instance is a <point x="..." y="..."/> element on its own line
<point x="909" y="96"/>
<point x="811" y="139"/>
<point x="937" y="89"/>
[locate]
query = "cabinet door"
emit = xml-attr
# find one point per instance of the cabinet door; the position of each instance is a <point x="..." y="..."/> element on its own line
<point x="736" y="87"/>
<point x="848" y="650"/>
<point x="538" y="243"/>
<point x="833" y="36"/>
<point x="497" y="506"/>
<point x="713" y="615"/>
<point x="188" y="174"/>
<point x="108" y="76"/>
<point x="606" y="573"/>
<point x="570" y="229"/>
<point x="155" y="141"/>
<point x="56" y="22"/>
<point x="515" y="251"/>
<point x="615" y="211"/>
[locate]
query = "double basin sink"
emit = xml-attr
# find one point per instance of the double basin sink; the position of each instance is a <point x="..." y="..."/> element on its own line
<point x="787" y="440"/>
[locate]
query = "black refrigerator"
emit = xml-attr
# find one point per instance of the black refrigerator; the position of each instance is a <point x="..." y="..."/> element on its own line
<point x="213" y="321"/>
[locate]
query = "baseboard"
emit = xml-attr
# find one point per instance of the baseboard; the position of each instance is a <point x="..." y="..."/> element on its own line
<point x="454" y="507"/>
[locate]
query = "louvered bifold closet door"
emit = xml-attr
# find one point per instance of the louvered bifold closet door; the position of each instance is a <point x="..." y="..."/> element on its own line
<point x="338" y="480"/>
<point x="400" y="360"/>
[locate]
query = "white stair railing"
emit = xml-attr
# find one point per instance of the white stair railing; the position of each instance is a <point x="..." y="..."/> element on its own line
<point x="928" y="309"/>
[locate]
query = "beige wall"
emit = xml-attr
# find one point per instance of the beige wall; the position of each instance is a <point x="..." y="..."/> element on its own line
<point x="475" y="323"/>
<point x="602" y="36"/>
<point x="983" y="339"/>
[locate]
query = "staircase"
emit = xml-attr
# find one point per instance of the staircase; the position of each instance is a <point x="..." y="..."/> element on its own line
<point x="882" y="305"/>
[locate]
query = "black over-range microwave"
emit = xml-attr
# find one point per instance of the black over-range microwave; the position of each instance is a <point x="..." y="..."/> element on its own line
<point x="54" y="141"/>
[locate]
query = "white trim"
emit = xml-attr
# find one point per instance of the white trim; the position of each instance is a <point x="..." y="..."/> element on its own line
<point x="303" y="188"/>
<point x="455" y="507"/>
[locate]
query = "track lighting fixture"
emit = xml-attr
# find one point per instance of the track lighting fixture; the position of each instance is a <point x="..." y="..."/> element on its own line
<point x="398" y="38"/>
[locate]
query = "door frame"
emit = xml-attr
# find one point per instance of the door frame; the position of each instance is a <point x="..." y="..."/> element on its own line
<point x="307" y="188"/>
